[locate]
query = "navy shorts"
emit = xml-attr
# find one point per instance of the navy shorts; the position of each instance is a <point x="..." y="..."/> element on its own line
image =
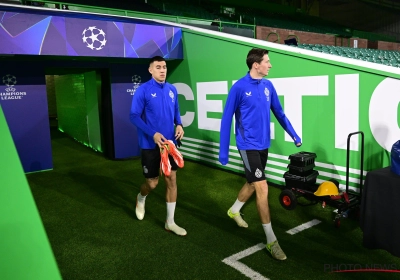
<point x="151" y="159"/>
<point x="254" y="164"/>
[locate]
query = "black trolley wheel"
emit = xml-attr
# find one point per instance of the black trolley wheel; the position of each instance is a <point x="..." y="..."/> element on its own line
<point x="288" y="200"/>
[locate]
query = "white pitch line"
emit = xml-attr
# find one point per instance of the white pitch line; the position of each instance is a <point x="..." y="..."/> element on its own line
<point x="303" y="226"/>
<point x="233" y="261"/>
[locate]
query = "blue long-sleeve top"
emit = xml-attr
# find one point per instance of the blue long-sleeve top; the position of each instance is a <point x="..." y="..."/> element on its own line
<point x="251" y="101"/>
<point x="154" y="109"/>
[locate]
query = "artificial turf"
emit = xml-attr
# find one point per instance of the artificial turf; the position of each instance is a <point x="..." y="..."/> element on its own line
<point x="87" y="205"/>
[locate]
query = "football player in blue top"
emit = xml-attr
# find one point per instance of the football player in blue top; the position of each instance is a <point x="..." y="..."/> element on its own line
<point x="251" y="99"/>
<point x="155" y="112"/>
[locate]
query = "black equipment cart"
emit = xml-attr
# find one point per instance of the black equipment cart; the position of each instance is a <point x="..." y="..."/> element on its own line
<point x="301" y="182"/>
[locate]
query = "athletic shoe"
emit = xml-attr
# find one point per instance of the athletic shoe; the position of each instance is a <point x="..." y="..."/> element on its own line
<point x="139" y="209"/>
<point x="276" y="250"/>
<point x="175" y="229"/>
<point x="176" y="155"/>
<point x="165" y="165"/>
<point x="238" y="219"/>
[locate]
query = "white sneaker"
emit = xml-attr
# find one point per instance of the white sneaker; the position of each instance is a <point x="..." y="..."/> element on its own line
<point x="237" y="218"/>
<point x="139" y="209"/>
<point x="276" y="251"/>
<point x="175" y="229"/>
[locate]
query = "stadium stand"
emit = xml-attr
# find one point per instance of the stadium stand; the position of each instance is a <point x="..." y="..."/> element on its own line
<point x="390" y="58"/>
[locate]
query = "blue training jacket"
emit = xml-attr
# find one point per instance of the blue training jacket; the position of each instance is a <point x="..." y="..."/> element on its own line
<point x="251" y="100"/>
<point x="154" y="109"/>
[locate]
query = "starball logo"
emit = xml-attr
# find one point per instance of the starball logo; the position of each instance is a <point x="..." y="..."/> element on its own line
<point x="9" y="80"/>
<point x="10" y="91"/>
<point x="94" y="38"/>
<point x="136" y="80"/>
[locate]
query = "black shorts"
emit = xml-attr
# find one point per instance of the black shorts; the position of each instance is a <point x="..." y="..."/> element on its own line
<point x="254" y="164"/>
<point x="151" y="159"/>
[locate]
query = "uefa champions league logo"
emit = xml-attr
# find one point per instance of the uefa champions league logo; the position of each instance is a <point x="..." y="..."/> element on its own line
<point x="136" y="80"/>
<point x="9" y="80"/>
<point x="11" y="92"/>
<point x="94" y="37"/>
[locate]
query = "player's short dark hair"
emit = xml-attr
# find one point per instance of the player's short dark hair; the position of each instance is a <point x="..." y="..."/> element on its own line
<point x="255" y="55"/>
<point x="156" y="58"/>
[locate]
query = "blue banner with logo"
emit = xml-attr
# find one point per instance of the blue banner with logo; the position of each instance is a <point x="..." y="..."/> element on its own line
<point x="124" y="82"/>
<point x="48" y="34"/>
<point x="24" y="101"/>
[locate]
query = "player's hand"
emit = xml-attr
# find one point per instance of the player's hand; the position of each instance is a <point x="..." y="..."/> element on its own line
<point x="179" y="132"/>
<point x="297" y="142"/>
<point x="223" y="160"/>
<point x="159" y="139"/>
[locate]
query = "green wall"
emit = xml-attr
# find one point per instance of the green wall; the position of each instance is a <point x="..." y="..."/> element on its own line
<point x="71" y="105"/>
<point x="93" y="96"/>
<point x="25" y="252"/>
<point x="77" y="97"/>
<point x="324" y="97"/>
